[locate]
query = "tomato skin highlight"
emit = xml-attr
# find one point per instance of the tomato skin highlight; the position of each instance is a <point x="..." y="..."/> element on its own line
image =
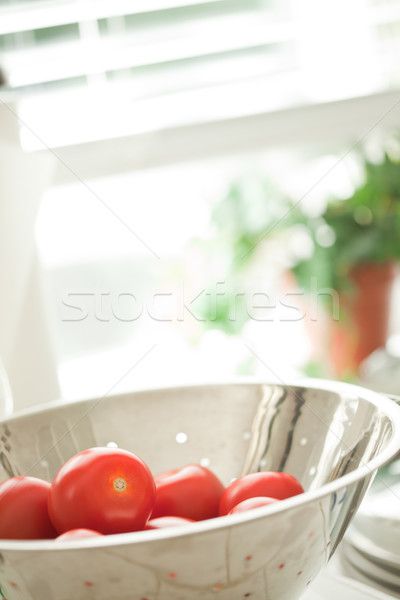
<point x="272" y="484"/>
<point x="192" y="492"/>
<point x="110" y="490"/>
<point x="23" y="509"/>
<point x="250" y="503"/>
<point x="78" y="534"/>
<point x="165" y="522"/>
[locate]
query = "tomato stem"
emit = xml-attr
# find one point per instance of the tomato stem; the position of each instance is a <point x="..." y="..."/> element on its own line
<point x="120" y="484"/>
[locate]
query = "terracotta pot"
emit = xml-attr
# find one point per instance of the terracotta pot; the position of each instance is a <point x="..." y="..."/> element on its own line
<point x="364" y="316"/>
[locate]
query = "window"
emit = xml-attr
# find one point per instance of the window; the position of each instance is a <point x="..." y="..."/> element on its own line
<point x="94" y="70"/>
<point x="150" y="109"/>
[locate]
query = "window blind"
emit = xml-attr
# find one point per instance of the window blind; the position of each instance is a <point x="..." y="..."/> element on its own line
<point x="95" y="69"/>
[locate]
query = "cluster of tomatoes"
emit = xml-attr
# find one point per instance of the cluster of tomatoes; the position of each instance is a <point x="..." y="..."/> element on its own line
<point x="105" y="490"/>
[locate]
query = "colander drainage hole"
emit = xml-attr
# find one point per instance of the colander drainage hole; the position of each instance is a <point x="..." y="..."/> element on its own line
<point x="112" y="445"/>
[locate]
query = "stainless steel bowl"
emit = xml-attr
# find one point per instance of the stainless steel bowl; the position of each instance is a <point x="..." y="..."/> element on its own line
<point x="333" y="437"/>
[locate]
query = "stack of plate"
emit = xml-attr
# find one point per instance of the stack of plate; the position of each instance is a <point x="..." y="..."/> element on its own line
<point x="330" y="586"/>
<point x="370" y="550"/>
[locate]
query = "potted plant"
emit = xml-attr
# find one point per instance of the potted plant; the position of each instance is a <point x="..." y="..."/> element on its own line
<point x="358" y="258"/>
<point x="356" y="249"/>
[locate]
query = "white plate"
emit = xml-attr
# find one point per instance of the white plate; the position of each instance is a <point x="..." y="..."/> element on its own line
<point x="369" y="567"/>
<point x="328" y="586"/>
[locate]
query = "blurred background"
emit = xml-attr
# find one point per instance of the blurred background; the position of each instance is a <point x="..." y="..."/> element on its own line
<point x="198" y="190"/>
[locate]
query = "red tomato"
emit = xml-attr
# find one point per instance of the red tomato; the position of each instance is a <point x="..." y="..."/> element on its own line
<point x="109" y="490"/>
<point x="266" y="483"/>
<point x="78" y="534"/>
<point x="192" y="492"/>
<point x="164" y="522"/>
<point x="23" y="509"/>
<point x="251" y="503"/>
